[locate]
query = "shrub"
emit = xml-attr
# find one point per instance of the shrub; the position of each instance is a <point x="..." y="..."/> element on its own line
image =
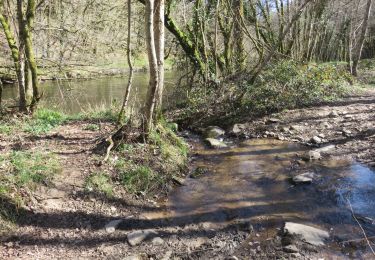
<point x="287" y="84"/>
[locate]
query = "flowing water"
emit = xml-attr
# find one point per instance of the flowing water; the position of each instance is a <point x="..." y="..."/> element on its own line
<point x="251" y="181"/>
<point x="81" y="95"/>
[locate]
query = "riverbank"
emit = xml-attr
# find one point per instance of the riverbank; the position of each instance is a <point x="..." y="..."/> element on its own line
<point x="81" y="212"/>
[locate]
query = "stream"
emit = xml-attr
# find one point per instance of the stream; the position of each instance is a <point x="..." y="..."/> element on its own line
<point x="251" y="181"/>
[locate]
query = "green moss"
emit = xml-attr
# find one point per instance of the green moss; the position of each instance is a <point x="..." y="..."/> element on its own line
<point x="99" y="182"/>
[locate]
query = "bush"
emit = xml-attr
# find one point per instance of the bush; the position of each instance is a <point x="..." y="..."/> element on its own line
<point x="287" y="84"/>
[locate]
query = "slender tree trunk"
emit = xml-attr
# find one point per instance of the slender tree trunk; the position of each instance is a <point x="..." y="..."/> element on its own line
<point x="30" y="15"/>
<point x="153" y="66"/>
<point x="18" y="63"/>
<point x="361" y="40"/>
<point x="159" y="47"/>
<point x="131" y="70"/>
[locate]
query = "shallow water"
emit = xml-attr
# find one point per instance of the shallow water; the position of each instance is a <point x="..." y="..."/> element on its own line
<point x="80" y="95"/>
<point x="252" y="181"/>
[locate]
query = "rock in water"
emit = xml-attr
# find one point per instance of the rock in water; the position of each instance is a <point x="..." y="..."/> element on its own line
<point x="309" y="234"/>
<point x="311" y="155"/>
<point x="306" y="177"/>
<point x="316" y="140"/>
<point x="137" y="237"/>
<point x="214" y="132"/>
<point x="214" y="143"/>
<point x="112" y="225"/>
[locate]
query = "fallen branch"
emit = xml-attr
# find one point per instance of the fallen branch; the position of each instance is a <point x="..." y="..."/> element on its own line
<point x="109" y="148"/>
<point x="359" y="224"/>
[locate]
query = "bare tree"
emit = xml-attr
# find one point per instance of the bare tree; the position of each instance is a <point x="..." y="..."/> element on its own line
<point x="361" y="40"/>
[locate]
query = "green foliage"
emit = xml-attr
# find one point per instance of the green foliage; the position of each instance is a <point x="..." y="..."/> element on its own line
<point x="99" y="182"/>
<point x="287" y="84"/>
<point x="5" y="129"/>
<point x="99" y="113"/>
<point x="139" y="179"/>
<point x="45" y="120"/>
<point x="30" y="167"/>
<point x="24" y="170"/>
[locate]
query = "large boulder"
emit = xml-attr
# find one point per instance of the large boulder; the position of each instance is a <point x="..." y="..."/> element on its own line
<point x="213" y="132"/>
<point x="214" y="143"/>
<point x="311" y="235"/>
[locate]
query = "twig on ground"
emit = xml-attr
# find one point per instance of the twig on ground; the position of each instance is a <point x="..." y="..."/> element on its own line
<point x="359" y="224"/>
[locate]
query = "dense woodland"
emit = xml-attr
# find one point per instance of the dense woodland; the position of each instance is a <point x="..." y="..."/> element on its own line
<point x="214" y="40"/>
<point x="271" y="129"/>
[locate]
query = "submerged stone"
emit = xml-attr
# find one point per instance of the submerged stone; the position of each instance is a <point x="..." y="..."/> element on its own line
<point x="214" y="143"/>
<point x="306" y="177"/>
<point x="308" y="234"/>
<point x="214" y="132"/>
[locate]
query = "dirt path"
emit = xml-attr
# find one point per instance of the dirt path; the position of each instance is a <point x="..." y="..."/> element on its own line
<point x="66" y="222"/>
<point x="348" y="125"/>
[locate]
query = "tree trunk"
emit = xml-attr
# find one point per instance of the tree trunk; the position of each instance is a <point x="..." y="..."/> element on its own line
<point x="153" y="66"/>
<point x="18" y="63"/>
<point x="159" y="47"/>
<point x="30" y="15"/>
<point x="131" y="70"/>
<point x="359" y="47"/>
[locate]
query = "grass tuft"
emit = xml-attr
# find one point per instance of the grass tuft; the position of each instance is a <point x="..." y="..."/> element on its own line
<point x="99" y="182"/>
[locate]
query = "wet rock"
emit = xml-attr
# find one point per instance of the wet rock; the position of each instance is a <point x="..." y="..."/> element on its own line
<point x="325" y="149"/>
<point x="273" y="121"/>
<point x="112" y="225"/>
<point x="316" y="140"/>
<point x="306" y="177"/>
<point x="308" y="234"/>
<point x="214" y="132"/>
<point x="137" y="237"/>
<point x="311" y="155"/>
<point x="290" y="249"/>
<point x="214" y="143"/>
<point x="333" y="114"/>
<point x="178" y="180"/>
<point x="238" y="128"/>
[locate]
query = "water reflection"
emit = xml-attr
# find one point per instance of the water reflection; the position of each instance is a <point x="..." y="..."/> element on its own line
<point x="77" y="95"/>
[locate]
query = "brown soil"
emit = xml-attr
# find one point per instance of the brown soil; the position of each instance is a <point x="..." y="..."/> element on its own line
<point x="62" y="221"/>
